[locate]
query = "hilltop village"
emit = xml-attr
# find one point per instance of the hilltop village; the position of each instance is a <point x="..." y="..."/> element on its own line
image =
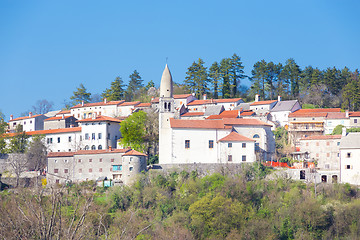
<point x="84" y="142"/>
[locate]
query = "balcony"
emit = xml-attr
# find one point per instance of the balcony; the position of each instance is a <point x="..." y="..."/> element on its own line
<point x="306" y="127"/>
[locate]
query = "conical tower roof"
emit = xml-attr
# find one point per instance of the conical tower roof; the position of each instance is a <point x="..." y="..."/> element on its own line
<point x="166" y="85"/>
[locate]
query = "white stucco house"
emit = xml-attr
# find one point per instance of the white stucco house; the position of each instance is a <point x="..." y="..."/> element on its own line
<point x="349" y="158"/>
<point x="29" y="123"/>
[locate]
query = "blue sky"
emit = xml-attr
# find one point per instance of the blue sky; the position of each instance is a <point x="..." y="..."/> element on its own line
<point x="47" y="48"/>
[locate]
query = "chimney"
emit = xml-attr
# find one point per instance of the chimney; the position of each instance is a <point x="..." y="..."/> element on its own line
<point x="62" y="116"/>
<point x="343" y="132"/>
<point x="279" y="98"/>
<point x="152" y="98"/>
<point x="82" y="103"/>
<point x="30" y="114"/>
<point x="347" y="113"/>
<point x="241" y="109"/>
<point x="257" y="96"/>
<point x="11" y="117"/>
<point x="110" y="148"/>
<point x="204" y="96"/>
<point x="105" y="100"/>
<point x="239" y="113"/>
<point x="193" y="94"/>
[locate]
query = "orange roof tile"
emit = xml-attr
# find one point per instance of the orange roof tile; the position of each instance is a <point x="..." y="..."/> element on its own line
<point x="98" y="104"/>
<point x="144" y="105"/>
<point x="227" y="100"/>
<point x="27" y="117"/>
<point x="100" y="118"/>
<point x="134" y="153"/>
<point x="263" y="102"/>
<point x="354" y="114"/>
<point x="215" y="124"/>
<point x="130" y="103"/>
<point x="225" y="114"/>
<point x="61" y="154"/>
<point x="317" y="112"/>
<point x="116" y="150"/>
<point x="64" y="112"/>
<point x="201" y="102"/>
<point x="235" y="137"/>
<point x="51" y="131"/>
<point x="336" y="115"/>
<point x="57" y="118"/>
<point x="321" y="137"/>
<point x="190" y="114"/>
<point x="178" y="96"/>
<point x="247" y="113"/>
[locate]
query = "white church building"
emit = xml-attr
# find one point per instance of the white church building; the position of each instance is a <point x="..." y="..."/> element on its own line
<point x="183" y="141"/>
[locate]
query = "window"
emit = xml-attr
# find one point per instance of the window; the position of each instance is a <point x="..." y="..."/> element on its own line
<point x="243" y="145"/>
<point x="66" y="170"/>
<point x="66" y="160"/>
<point x="69" y="138"/>
<point x="348" y="155"/>
<point x="30" y="121"/>
<point x="327" y="154"/>
<point x="317" y="155"/>
<point x="58" y="140"/>
<point x="302" y="174"/>
<point x="229" y="158"/>
<point x="90" y="169"/>
<point x="112" y="160"/>
<point x="93" y="136"/>
<point x="347" y="166"/>
<point x="57" y="181"/>
<point x="307" y="144"/>
<point x="56" y="170"/>
<point x="87" y="147"/>
<point x="256" y="136"/>
<point x="50" y="140"/>
<point x="355" y="120"/>
<point x="80" y="170"/>
<point x="108" y="136"/>
<point x="243" y="158"/>
<point x="257" y="147"/>
<point x="317" y="143"/>
<point x="86" y="136"/>
<point x="100" y="169"/>
<point x="229" y="145"/>
<point x="130" y="169"/>
<point x="93" y="147"/>
<point x="327" y="143"/>
<point x="338" y="143"/>
<point x="211" y="143"/>
<point x="99" y="135"/>
<point x="24" y="123"/>
<point x="327" y="166"/>
<point x="100" y="160"/>
<point x="99" y="147"/>
<point x="79" y="160"/>
<point x="90" y="160"/>
<point x="187" y="143"/>
<point x="117" y="167"/>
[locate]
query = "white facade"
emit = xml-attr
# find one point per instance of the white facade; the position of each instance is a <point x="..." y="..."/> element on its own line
<point x="330" y="124"/>
<point x="87" y="110"/>
<point x="29" y="123"/>
<point x="63" y="141"/>
<point x="349" y="158"/>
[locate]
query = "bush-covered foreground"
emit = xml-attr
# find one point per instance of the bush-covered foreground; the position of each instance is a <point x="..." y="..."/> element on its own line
<point x="182" y="205"/>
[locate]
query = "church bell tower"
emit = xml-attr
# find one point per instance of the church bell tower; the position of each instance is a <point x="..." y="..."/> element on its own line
<point x="166" y="111"/>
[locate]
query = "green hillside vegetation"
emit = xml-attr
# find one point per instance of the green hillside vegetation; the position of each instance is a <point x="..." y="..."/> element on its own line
<point x="183" y="205"/>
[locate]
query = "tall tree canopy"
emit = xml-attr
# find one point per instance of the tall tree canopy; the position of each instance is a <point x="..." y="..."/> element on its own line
<point x="80" y="95"/>
<point x="116" y="91"/>
<point x="135" y="84"/>
<point x="197" y="78"/>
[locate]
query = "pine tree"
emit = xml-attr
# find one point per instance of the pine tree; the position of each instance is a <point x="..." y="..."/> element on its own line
<point x="292" y="73"/>
<point x="80" y="95"/>
<point x="196" y="78"/>
<point x="214" y="75"/>
<point x="134" y="86"/>
<point x="237" y="73"/>
<point x="225" y="71"/>
<point x="259" y="78"/>
<point x="116" y="91"/>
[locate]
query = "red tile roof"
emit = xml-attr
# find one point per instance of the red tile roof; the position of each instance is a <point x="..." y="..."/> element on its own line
<point x="100" y="118"/>
<point x="225" y="114"/>
<point x="51" y="131"/>
<point x="354" y="114"/>
<point x="321" y="137"/>
<point x="85" y="152"/>
<point x="27" y="117"/>
<point x="336" y="115"/>
<point x="201" y="102"/>
<point x="317" y="112"/>
<point x="227" y="100"/>
<point x="98" y="104"/>
<point x="64" y="112"/>
<point x="263" y="102"/>
<point x="215" y="124"/>
<point x="247" y="113"/>
<point x="61" y="154"/>
<point x="57" y="118"/>
<point x="134" y="153"/>
<point x="130" y="103"/>
<point x="235" y="137"/>
<point x="144" y="105"/>
<point x="190" y="114"/>
<point x="179" y="96"/>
